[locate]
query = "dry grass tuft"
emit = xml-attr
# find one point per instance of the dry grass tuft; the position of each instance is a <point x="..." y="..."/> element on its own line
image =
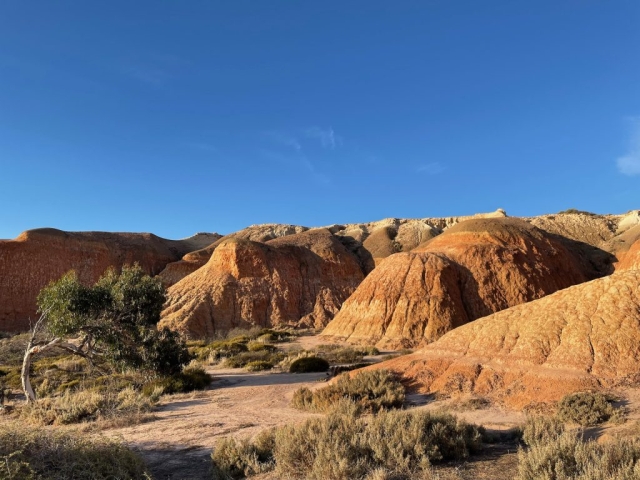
<point x="45" y="454"/>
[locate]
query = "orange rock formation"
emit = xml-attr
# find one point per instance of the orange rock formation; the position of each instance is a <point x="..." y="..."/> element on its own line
<point x="584" y="337"/>
<point x="297" y="279"/>
<point x="475" y="268"/>
<point x="36" y="257"/>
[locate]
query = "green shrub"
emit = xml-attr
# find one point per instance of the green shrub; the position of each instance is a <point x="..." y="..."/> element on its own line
<point x="190" y="379"/>
<point x="341" y="447"/>
<point x="309" y="364"/>
<point x="585" y="408"/>
<point x="569" y="457"/>
<point x="370" y="391"/>
<point x="45" y="454"/>
<point x="259" y="366"/>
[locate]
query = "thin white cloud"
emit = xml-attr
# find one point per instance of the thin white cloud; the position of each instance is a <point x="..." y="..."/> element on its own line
<point x="327" y="137"/>
<point x="629" y="164"/>
<point x="285" y="140"/>
<point x="432" y="168"/>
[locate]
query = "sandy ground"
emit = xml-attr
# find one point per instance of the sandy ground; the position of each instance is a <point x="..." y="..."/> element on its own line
<point x="177" y="443"/>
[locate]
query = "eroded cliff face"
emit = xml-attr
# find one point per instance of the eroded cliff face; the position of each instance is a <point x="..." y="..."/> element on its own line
<point x="475" y="268"/>
<point x="631" y="259"/>
<point x="584" y="337"/>
<point x="299" y="280"/>
<point x="36" y="257"/>
<point x="189" y="263"/>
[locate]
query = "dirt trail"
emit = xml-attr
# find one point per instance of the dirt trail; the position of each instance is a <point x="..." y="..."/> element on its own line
<point x="177" y="444"/>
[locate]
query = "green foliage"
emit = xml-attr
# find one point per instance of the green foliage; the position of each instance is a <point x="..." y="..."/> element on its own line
<point x="45" y="454"/>
<point x="118" y="316"/>
<point x="369" y="391"/>
<point x="242" y="360"/>
<point x="309" y="364"/>
<point x="585" y="408"/>
<point x="343" y="446"/>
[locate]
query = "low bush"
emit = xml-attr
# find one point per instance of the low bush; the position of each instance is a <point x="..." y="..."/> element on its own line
<point x="259" y="366"/>
<point x="309" y="364"/>
<point x="542" y="430"/>
<point x="343" y="446"/>
<point x="569" y="457"/>
<point x="190" y="379"/>
<point x="370" y="391"/>
<point x="235" y="459"/>
<point x="585" y="408"/>
<point x="45" y="454"/>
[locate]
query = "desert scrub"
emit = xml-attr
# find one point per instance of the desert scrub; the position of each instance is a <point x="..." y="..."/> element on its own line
<point x="341" y="447"/>
<point x="234" y="459"/>
<point x="243" y="359"/>
<point x="259" y="366"/>
<point x="190" y="379"/>
<point x="309" y="364"/>
<point x="569" y="457"/>
<point x="86" y="406"/>
<point x="542" y="430"/>
<point x="370" y="391"/>
<point x="46" y="454"/>
<point x="338" y="354"/>
<point x="585" y="408"/>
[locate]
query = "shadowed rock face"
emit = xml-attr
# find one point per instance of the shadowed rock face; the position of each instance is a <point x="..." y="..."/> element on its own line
<point x="36" y="257"/>
<point x="474" y="269"/>
<point x="298" y="280"/>
<point x="586" y="336"/>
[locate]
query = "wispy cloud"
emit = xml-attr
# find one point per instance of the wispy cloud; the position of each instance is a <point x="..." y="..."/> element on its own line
<point x="432" y="168"/>
<point x="629" y="164"/>
<point x="327" y="137"/>
<point x="284" y="139"/>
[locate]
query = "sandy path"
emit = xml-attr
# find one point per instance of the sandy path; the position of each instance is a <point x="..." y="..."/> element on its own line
<point x="177" y="444"/>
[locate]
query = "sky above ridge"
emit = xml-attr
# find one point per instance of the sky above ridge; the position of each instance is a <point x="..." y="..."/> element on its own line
<point x="179" y="117"/>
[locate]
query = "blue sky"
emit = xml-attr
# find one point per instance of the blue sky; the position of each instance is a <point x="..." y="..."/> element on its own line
<point x="179" y="117"/>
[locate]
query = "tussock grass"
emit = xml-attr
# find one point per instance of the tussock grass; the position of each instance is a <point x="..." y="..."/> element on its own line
<point x="86" y="406"/>
<point x="387" y="445"/>
<point x="46" y="454"/>
<point x="369" y="391"/>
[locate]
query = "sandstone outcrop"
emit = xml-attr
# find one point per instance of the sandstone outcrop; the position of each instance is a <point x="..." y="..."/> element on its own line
<point x="631" y="259"/>
<point x="36" y="257"/>
<point x="581" y="338"/>
<point x="176" y="271"/>
<point x="475" y="268"/>
<point x="299" y="280"/>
